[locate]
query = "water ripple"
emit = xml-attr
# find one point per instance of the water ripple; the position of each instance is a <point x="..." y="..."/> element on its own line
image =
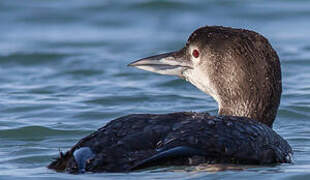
<point x="33" y="59"/>
<point x="35" y="132"/>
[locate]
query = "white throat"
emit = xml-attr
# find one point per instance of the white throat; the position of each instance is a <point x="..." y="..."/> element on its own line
<point x="199" y="79"/>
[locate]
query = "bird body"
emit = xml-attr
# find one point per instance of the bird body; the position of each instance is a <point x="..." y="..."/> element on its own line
<point x="130" y="142"/>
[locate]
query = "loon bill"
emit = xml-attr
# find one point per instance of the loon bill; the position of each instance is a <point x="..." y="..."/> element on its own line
<point x="239" y="69"/>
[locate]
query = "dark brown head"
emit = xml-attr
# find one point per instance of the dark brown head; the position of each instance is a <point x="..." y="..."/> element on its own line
<point x="237" y="67"/>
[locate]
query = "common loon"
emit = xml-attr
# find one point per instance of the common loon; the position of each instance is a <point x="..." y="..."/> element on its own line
<point x="239" y="69"/>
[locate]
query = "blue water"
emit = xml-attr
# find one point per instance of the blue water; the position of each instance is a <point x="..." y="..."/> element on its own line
<point x="64" y="74"/>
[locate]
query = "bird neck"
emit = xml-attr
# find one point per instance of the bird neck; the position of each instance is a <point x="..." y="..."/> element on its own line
<point x="261" y="111"/>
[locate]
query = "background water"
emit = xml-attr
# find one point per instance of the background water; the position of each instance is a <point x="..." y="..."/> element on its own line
<point x="63" y="74"/>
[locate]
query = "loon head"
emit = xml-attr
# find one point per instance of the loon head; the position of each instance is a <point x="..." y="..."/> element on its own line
<point x="237" y="67"/>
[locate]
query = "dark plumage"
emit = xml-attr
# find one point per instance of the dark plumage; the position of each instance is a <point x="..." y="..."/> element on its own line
<point x="125" y="142"/>
<point x="239" y="69"/>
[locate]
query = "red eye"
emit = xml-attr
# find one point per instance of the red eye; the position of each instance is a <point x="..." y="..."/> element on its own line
<point x="196" y="53"/>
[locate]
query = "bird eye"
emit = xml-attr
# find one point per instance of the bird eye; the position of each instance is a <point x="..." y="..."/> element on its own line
<point x="195" y="53"/>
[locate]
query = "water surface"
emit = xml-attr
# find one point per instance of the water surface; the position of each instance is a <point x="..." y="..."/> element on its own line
<point x="64" y="74"/>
